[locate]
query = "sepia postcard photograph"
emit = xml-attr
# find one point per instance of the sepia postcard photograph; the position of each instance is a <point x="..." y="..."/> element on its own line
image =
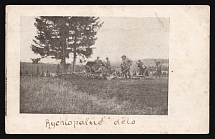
<point x="94" y="65"/>
<point x="107" y="69"/>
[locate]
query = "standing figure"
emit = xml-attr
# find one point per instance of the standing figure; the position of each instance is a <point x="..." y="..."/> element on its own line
<point x="158" y="69"/>
<point x="142" y="67"/>
<point x="108" y="66"/>
<point x="125" y="66"/>
<point x="98" y="64"/>
<point x="97" y="60"/>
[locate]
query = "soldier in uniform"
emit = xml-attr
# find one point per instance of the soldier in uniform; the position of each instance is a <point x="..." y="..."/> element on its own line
<point x="125" y="66"/>
<point x="97" y="60"/>
<point x="98" y="64"/>
<point x="108" y="66"/>
<point x="158" y="69"/>
<point x="102" y="71"/>
<point x="141" y="67"/>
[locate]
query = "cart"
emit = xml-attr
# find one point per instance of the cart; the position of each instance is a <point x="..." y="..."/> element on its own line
<point x="96" y="69"/>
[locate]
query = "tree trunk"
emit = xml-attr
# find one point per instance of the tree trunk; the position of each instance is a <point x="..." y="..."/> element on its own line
<point x="74" y="60"/>
<point x="74" y="56"/>
<point x="63" y="64"/>
<point x="63" y="60"/>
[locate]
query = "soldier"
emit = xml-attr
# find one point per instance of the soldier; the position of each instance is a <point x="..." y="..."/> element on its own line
<point x="158" y="69"/>
<point x="97" y="64"/>
<point x="108" y="66"/>
<point x="141" y="67"/>
<point x="125" y="66"/>
<point x="97" y="60"/>
<point x="101" y="71"/>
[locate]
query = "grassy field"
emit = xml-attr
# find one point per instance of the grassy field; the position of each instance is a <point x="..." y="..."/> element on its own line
<point x="46" y="95"/>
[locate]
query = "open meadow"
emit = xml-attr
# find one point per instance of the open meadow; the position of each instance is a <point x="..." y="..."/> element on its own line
<point x="49" y="95"/>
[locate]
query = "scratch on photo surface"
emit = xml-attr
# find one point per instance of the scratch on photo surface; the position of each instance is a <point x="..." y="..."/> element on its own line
<point x="159" y="19"/>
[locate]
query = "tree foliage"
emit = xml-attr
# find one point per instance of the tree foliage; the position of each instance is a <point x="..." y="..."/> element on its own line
<point x="61" y="36"/>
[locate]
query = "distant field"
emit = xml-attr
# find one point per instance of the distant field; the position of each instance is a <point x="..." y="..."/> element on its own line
<point x="48" y="95"/>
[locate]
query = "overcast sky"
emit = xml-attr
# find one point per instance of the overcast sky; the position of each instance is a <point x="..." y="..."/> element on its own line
<point x="135" y="37"/>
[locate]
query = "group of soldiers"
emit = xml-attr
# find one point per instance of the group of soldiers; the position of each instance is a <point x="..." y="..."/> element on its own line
<point x="126" y="64"/>
<point x="105" y="67"/>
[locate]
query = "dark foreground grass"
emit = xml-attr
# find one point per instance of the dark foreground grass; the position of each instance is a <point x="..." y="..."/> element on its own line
<point x="93" y="96"/>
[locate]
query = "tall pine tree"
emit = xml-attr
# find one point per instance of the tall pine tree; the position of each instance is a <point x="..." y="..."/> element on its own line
<point x="60" y="36"/>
